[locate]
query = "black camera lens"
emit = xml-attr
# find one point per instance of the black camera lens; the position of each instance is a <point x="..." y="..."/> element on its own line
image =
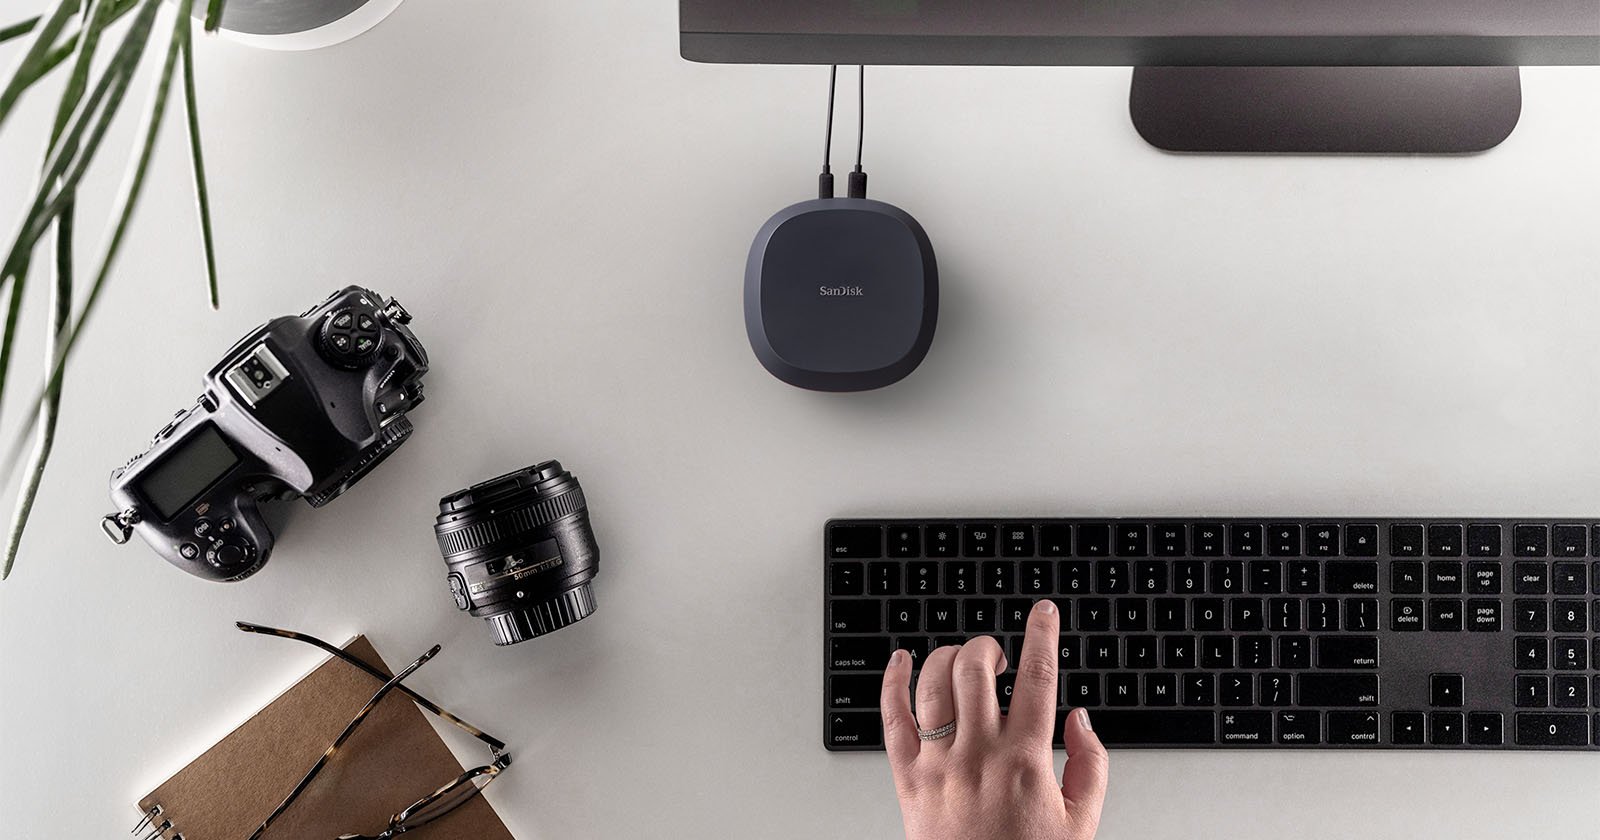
<point x="520" y="551"/>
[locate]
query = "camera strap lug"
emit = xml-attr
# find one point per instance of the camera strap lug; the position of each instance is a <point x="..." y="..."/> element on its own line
<point x="119" y="526"/>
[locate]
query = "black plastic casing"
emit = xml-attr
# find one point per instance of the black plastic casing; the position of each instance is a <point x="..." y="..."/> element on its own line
<point x="330" y="416"/>
<point x="841" y="294"/>
<point x="520" y="551"/>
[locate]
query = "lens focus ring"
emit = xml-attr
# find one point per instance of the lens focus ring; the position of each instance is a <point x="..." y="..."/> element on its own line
<point x="506" y="525"/>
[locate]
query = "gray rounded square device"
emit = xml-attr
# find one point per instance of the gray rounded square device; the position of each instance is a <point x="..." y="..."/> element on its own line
<point x="841" y="294"/>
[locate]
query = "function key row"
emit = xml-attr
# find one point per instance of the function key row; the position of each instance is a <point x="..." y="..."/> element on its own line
<point x="1208" y="539"/>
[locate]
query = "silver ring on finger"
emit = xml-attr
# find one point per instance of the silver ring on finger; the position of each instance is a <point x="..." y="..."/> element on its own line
<point x="937" y="732"/>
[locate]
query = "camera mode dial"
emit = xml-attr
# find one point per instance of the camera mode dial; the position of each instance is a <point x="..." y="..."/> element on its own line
<point x="351" y="336"/>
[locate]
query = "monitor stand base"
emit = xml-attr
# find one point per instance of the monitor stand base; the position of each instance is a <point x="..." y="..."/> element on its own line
<point x="1326" y="110"/>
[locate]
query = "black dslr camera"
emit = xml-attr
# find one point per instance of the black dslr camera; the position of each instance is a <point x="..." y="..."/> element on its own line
<point x="302" y="406"/>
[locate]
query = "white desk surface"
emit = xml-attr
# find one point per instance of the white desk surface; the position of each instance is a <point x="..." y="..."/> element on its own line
<point x="565" y="205"/>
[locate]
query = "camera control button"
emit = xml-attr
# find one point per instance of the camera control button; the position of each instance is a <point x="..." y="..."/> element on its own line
<point x="227" y="555"/>
<point x="188" y="551"/>
<point x="366" y="324"/>
<point x="342" y="321"/>
<point x="226" y="525"/>
<point x="458" y="590"/>
<point x="202" y="527"/>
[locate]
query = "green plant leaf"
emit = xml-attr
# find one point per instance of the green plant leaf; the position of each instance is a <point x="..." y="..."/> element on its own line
<point x="201" y="194"/>
<point x="17" y="30"/>
<point x="99" y="108"/>
<point x="133" y="186"/>
<point x="50" y="411"/>
<point x="214" y="15"/>
<point x="44" y="38"/>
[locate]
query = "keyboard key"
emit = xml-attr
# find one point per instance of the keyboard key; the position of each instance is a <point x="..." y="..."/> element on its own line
<point x="1169" y="614"/>
<point x="1361" y="540"/>
<point x="942" y="541"/>
<point x="1444" y="614"/>
<point x="1070" y="653"/>
<point x="1244" y="540"/>
<point x="1294" y="651"/>
<point x="1111" y="577"/>
<point x="941" y="616"/>
<point x="1530" y="578"/>
<point x="1266" y="577"/>
<point x="1189" y="577"/>
<point x="1139" y="652"/>
<point x="1568" y="578"/>
<point x="1405" y="614"/>
<point x="1530" y="541"/>
<point x="978" y="616"/>
<point x="1483" y="540"/>
<point x="1483" y="615"/>
<point x="1300" y="727"/>
<point x="1014" y="614"/>
<point x="1571" y="692"/>
<point x="1351" y="577"/>
<point x="1163" y="726"/>
<point x="855" y="729"/>
<point x="1304" y="577"/>
<point x="1322" y="540"/>
<point x="905" y="616"/>
<point x="1353" y="728"/>
<point x="1055" y="540"/>
<point x="1275" y="690"/>
<point x="1485" y="729"/>
<point x="1208" y="614"/>
<point x="999" y="578"/>
<point x="1245" y="614"/>
<point x="1101" y="652"/>
<point x="979" y="540"/>
<point x="917" y="647"/>
<point x="1133" y="540"/>
<point x="1405" y="577"/>
<point x="1445" y="728"/>
<point x="1199" y="689"/>
<point x="1036" y="577"/>
<point x="1322" y="614"/>
<point x="1179" y="652"/>
<point x="1444" y="577"/>
<point x="1094" y="540"/>
<point x="855" y="541"/>
<point x="1227" y="577"/>
<point x="1361" y="614"/>
<point x="1483" y="578"/>
<point x="1003" y="684"/>
<point x="1552" y="729"/>
<point x="1150" y="577"/>
<point x="854" y="691"/>
<point x="883" y="578"/>
<point x="1094" y="614"/>
<point x="1332" y="689"/>
<point x="1445" y="690"/>
<point x="1168" y="540"/>
<point x="1133" y="614"/>
<point x="960" y="578"/>
<point x="1084" y="690"/>
<point x="1208" y="540"/>
<point x="1405" y="540"/>
<point x="1406" y="728"/>
<point x="905" y="541"/>
<point x="922" y="578"/>
<point x="858" y="653"/>
<point x="1569" y="654"/>
<point x="1283" y="540"/>
<point x="1016" y="540"/>
<point x="1237" y="689"/>
<point x="1161" y="689"/>
<point x="1122" y="689"/>
<point x="856" y="616"/>
<point x="1444" y="540"/>
<point x="1283" y="614"/>
<point x="1216" y="652"/>
<point x="1531" y="616"/>
<point x="1569" y="616"/>
<point x="1246" y="727"/>
<point x="1342" y="652"/>
<point x="846" y="578"/>
<point x="1569" y="541"/>
<point x="1075" y="577"/>
<point x="1255" y="651"/>
<point x="1532" y="654"/>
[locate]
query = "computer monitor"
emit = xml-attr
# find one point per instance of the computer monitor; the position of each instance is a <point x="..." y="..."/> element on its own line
<point x="1392" y="76"/>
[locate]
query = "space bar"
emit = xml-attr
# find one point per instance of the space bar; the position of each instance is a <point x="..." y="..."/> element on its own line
<point x="1138" y="726"/>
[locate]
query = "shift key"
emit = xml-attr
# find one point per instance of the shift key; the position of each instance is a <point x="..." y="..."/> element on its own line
<point x="1335" y="690"/>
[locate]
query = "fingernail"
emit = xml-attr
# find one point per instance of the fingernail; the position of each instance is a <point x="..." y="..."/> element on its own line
<point x="1047" y="606"/>
<point x="896" y="657"/>
<point x="1083" y="719"/>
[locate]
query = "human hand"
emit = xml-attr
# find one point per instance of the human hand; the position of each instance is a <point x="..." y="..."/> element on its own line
<point x="993" y="779"/>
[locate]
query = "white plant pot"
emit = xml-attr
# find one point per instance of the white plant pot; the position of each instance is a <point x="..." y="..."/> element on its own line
<point x="299" y="24"/>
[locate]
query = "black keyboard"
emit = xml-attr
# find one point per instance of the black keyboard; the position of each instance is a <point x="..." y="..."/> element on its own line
<point x="1405" y="634"/>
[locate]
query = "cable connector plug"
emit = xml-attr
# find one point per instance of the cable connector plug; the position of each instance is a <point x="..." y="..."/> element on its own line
<point x="858" y="184"/>
<point x="825" y="184"/>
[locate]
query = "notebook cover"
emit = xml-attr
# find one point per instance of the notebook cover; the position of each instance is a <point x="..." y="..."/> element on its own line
<point x="392" y="760"/>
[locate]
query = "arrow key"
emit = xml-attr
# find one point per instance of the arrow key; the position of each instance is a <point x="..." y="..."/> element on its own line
<point x="1407" y="729"/>
<point x="1485" y="729"/>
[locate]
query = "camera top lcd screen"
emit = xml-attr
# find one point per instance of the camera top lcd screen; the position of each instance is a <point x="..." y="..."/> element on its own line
<point x="187" y="471"/>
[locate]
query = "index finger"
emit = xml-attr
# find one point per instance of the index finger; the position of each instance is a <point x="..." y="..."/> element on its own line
<point x="1036" y="693"/>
